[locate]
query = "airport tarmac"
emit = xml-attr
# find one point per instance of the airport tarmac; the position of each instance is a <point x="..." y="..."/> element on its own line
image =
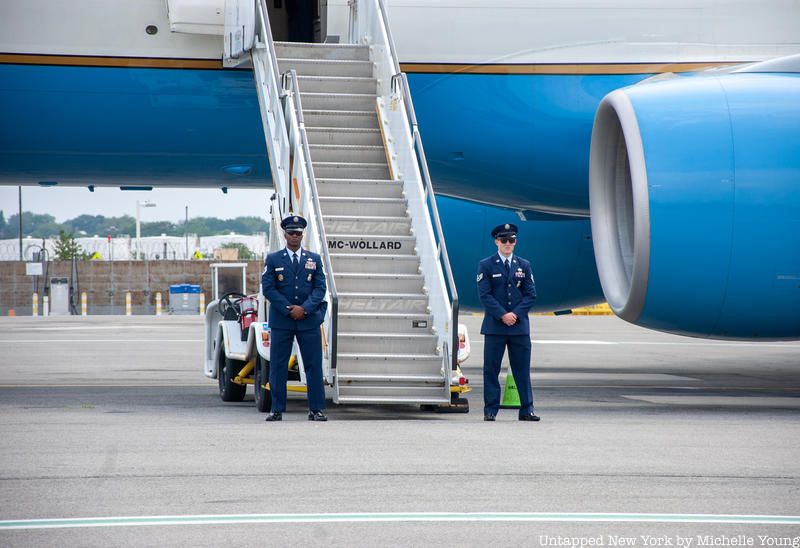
<point x="112" y="436"/>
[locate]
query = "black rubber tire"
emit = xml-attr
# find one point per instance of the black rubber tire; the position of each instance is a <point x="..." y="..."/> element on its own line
<point x="261" y="375"/>
<point x="229" y="390"/>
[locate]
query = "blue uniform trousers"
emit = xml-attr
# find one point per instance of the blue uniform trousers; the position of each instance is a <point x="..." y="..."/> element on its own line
<point x="310" y="343"/>
<point x="519" y="356"/>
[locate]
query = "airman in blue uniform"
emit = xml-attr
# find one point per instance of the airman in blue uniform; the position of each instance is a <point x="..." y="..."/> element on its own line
<point x="294" y="283"/>
<point x="507" y="291"/>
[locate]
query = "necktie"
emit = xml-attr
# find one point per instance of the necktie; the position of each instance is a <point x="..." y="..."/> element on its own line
<point x="508" y="266"/>
<point x="294" y="260"/>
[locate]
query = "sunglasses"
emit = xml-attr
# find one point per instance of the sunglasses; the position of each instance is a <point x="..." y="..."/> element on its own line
<point x="294" y="233"/>
<point x="507" y="240"/>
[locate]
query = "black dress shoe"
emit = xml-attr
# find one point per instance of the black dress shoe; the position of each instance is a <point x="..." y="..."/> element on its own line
<point x="529" y="417"/>
<point x="316" y="416"/>
<point x="489" y="418"/>
<point x="274" y="416"/>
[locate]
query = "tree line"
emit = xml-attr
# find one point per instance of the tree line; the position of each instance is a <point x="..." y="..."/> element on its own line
<point x="37" y="225"/>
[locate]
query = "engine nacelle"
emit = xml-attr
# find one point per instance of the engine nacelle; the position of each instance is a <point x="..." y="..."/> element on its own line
<point x="695" y="203"/>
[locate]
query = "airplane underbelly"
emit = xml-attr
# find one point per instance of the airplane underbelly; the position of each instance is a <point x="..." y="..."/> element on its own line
<point x="114" y="125"/>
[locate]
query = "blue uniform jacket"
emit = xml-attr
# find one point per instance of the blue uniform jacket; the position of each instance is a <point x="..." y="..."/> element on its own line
<point x="283" y="286"/>
<point x="500" y="293"/>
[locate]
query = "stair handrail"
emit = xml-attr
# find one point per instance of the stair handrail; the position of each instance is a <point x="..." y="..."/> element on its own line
<point x="429" y="194"/>
<point x="269" y="78"/>
<point x="400" y="82"/>
<point x="305" y="152"/>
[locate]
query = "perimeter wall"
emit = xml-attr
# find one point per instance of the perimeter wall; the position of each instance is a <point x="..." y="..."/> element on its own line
<point x="107" y="282"/>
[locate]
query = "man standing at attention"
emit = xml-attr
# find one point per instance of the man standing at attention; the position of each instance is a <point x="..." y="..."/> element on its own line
<point x="294" y="284"/>
<point x="507" y="291"/>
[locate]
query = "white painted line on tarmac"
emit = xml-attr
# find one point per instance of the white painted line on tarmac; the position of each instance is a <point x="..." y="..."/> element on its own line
<point x="546" y="341"/>
<point x="755" y="345"/>
<point x="732" y="344"/>
<point x="670" y="343"/>
<point x="48" y="340"/>
<point x="121" y="327"/>
<point x="110" y="385"/>
<point x="224" y="519"/>
<point x="750" y="402"/>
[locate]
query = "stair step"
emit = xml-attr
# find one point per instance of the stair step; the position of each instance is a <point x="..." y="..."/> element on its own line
<point x="388" y="364"/>
<point x="337" y="101"/>
<point x="391" y="207"/>
<point x="391" y="378"/>
<point x="343" y="136"/>
<point x="338" y="84"/>
<point x="361" y="224"/>
<point x="414" y="395"/>
<point x="369" y="244"/>
<point x="360" y="170"/>
<point x="406" y="343"/>
<point x="346" y="119"/>
<point x="382" y="302"/>
<point x="351" y="154"/>
<point x="385" y="323"/>
<point x="300" y="50"/>
<point x="324" y="67"/>
<point x="374" y="188"/>
<point x="359" y="262"/>
<point x="379" y="282"/>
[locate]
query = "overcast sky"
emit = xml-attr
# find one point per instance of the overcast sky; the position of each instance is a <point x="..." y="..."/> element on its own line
<point x="67" y="203"/>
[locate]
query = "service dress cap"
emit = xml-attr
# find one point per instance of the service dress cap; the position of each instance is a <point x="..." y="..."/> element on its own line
<point x="505" y="230"/>
<point x="294" y="222"/>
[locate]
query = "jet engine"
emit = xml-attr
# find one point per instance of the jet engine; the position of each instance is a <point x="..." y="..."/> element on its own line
<point x="695" y="202"/>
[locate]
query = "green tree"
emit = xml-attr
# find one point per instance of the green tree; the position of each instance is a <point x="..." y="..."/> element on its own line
<point x="248" y="225"/>
<point x="244" y="252"/>
<point x="29" y="223"/>
<point x="102" y="226"/>
<point x="67" y="248"/>
<point x="46" y="226"/>
<point x="2" y="225"/>
<point x="157" y="228"/>
<point x="44" y="229"/>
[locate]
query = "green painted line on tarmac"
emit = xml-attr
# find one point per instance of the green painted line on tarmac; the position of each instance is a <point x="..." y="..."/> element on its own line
<point x="222" y="519"/>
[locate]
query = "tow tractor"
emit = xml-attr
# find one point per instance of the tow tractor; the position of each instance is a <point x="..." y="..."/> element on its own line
<point x="237" y="354"/>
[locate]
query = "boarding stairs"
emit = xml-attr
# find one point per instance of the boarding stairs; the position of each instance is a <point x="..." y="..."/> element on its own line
<point x="342" y="113"/>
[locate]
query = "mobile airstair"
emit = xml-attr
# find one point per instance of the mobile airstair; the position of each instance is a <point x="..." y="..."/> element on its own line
<point x="345" y="153"/>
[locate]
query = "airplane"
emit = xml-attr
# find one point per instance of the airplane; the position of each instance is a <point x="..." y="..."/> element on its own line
<point x="649" y="150"/>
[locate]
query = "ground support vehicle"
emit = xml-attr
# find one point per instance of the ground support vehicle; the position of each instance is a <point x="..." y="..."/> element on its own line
<point x="237" y="354"/>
